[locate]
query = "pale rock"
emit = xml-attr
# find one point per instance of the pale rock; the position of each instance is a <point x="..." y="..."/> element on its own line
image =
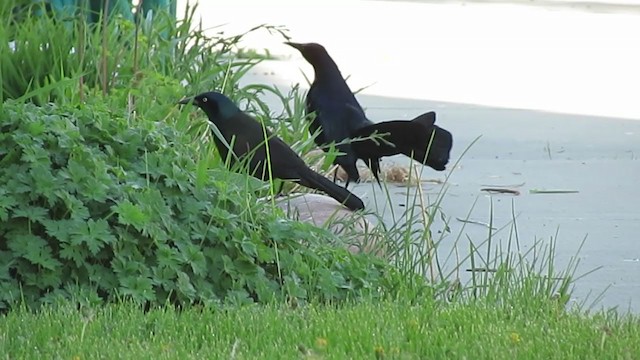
<point x="359" y="234"/>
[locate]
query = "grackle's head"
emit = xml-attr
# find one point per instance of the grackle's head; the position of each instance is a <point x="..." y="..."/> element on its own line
<point x="214" y="104"/>
<point x="440" y="140"/>
<point x="438" y="155"/>
<point x="312" y="52"/>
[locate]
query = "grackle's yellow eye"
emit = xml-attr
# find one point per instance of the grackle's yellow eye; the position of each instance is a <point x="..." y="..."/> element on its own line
<point x="204" y="99"/>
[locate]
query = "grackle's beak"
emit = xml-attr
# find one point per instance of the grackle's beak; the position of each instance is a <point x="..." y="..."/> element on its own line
<point x="188" y="100"/>
<point x="295" y="45"/>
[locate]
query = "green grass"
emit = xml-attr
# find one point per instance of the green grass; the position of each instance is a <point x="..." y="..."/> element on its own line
<point x="394" y="330"/>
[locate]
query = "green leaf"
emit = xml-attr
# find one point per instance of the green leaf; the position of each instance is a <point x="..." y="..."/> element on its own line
<point x="75" y="206"/>
<point x="185" y="286"/>
<point x="76" y="169"/>
<point x="45" y="183"/>
<point x="168" y="257"/>
<point x="249" y="248"/>
<point x="131" y="214"/>
<point x="49" y="279"/>
<point x="238" y="297"/>
<point x="194" y="256"/>
<point x="7" y="203"/>
<point x="35" y="129"/>
<point x="33" y="248"/>
<point x="99" y="188"/>
<point x="265" y="253"/>
<point x="35" y="154"/>
<point x="74" y="253"/>
<point x="154" y="204"/>
<point x="20" y="182"/>
<point x="95" y="234"/>
<point x="228" y="266"/>
<point x="138" y="288"/>
<point x="245" y="266"/>
<point x="33" y="213"/>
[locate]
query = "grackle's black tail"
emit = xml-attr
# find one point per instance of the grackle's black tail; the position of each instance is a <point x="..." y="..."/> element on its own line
<point x="419" y="138"/>
<point x="312" y="179"/>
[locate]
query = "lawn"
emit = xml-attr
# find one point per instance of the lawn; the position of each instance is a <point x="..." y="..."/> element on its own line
<point x="393" y="330"/>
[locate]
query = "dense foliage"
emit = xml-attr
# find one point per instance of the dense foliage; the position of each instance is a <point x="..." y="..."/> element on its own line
<point x="95" y="206"/>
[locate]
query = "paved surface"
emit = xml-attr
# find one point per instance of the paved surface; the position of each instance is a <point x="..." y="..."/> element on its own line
<point x="550" y="90"/>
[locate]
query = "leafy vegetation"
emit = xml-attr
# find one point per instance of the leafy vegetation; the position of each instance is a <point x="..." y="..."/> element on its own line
<point x="110" y="193"/>
<point x="95" y="206"/>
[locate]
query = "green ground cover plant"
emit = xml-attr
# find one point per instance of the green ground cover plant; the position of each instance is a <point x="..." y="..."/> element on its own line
<point x="110" y="192"/>
<point x="94" y="207"/>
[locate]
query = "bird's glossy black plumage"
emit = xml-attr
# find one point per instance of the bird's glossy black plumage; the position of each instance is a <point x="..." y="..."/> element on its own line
<point x="340" y="117"/>
<point x="247" y="139"/>
<point x="434" y="143"/>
